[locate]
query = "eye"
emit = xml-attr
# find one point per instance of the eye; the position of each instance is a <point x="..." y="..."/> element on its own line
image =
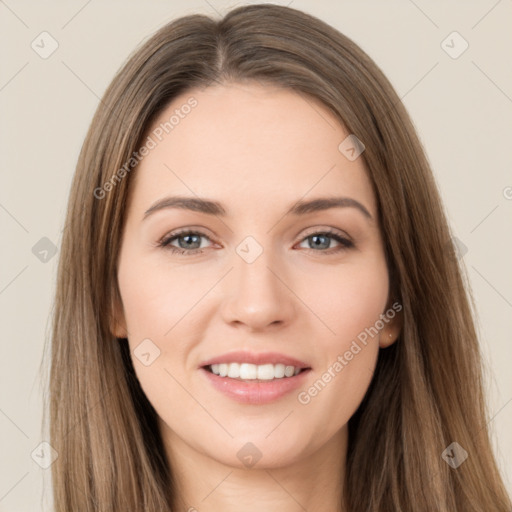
<point x="189" y="246"/>
<point x="322" y="239"/>
<point x="189" y="242"/>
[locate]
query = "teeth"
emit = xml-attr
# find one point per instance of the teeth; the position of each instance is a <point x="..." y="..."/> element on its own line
<point x="234" y="370"/>
<point x="246" y="371"/>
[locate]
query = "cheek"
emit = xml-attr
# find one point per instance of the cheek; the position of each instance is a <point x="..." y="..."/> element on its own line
<point x="154" y="298"/>
<point x="161" y="308"/>
<point x="347" y="299"/>
<point x="351" y="310"/>
<point x="155" y="302"/>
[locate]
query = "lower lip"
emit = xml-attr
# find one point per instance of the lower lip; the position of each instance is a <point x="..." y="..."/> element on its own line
<point x="256" y="392"/>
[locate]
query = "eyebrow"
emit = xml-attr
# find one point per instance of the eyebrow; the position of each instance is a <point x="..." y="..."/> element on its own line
<point x="211" y="207"/>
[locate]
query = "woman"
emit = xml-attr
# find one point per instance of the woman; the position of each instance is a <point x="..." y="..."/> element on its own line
<point x="316" y="349"/>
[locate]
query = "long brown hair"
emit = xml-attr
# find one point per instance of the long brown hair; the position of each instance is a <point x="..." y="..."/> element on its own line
<point x="427" y="390"/>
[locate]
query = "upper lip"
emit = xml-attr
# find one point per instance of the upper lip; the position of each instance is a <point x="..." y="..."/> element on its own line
<point x="258" y="358"/>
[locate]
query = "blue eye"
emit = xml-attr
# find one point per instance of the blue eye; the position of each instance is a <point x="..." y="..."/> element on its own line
<point x="190" y="238"/>
<point x="321" y="239"/>
<point x="192" y="242"/>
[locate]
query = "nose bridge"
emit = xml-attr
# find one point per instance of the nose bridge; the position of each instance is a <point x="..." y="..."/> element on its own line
<point x="257" y="295"/>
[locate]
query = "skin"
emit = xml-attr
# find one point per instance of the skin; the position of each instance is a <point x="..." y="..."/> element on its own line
<point x="257" y="149"/>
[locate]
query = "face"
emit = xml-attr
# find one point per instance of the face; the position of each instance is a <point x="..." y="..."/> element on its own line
<point x="247" y="281"/>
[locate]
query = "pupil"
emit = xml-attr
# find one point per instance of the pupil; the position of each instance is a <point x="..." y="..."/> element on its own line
<point x="316" y="237"/>
<point x="188" y="237"/>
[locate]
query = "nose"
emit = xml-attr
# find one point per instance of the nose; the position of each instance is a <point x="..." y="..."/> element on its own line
<point x="258" y="295"/>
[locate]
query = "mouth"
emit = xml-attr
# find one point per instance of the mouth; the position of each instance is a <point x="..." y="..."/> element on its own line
<point x="255" y="378"/>
<point x="251" y="384"/>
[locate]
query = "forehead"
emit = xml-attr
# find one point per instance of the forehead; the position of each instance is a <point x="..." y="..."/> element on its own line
<point x="240" y="142"/>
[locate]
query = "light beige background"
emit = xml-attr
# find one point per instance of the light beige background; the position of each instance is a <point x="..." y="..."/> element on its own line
<point x="461" y="107"/>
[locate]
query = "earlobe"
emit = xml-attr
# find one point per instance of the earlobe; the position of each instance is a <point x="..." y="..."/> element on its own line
<point x="118" y="330"/>
<point x="391" y="330"/>
<point x="117" y="321"/>
<point x="387" y="339"/>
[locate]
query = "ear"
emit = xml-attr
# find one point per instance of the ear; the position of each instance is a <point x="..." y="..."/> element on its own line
<point x="392" y="325"/>
<point x="117" y="320"/>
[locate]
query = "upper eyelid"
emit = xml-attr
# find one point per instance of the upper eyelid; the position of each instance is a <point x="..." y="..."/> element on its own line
<point x="329" y="231"/>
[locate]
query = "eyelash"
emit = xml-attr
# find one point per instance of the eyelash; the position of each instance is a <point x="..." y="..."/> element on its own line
<point x="165" y="242"/>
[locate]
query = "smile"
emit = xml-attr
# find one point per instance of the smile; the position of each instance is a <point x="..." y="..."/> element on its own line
<point x="247" y="371"/>
<point x="255" y="391"/>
